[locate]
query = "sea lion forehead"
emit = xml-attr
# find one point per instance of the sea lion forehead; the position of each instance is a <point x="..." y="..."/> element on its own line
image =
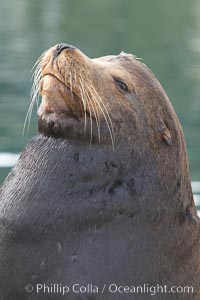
<point x="117" y="65"/>
<point x="120" y="58"/>
<point x="129" y="64"/>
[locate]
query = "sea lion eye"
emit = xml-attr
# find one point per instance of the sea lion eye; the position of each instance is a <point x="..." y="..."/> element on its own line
<point x="121" y="85"/>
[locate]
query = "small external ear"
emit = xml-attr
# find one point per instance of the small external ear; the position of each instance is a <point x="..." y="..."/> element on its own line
<point x="162" y="130"/>
<point x="166" y="136"/>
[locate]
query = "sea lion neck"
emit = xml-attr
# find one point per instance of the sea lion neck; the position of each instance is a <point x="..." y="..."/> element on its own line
<point x="121" y="179"/>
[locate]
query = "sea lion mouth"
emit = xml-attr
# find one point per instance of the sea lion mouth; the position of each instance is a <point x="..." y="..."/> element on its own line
<point x="72" y="105"/>
<point x="73" y="94"/>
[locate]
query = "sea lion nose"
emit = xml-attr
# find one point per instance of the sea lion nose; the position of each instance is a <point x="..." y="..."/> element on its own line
<point x="61" y="47"/>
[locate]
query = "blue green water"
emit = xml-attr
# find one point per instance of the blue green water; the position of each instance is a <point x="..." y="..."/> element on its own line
<point x="164" y="33"/>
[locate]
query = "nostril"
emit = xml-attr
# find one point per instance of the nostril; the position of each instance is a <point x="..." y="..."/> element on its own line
<point x="61" y="47"/>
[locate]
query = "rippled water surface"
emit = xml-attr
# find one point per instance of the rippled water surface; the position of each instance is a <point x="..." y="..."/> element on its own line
<point x="164" y="33"/>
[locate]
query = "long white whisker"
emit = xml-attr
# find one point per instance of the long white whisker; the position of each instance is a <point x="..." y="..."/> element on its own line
<point x="34" y="94"/>
<point x="39" y="59"/>
<point x="105" y="114"/>
<point x="93" y="107"/>
<point x="104" y="108"/>
<point x="90" y="113"/>
<point x="84" y="108"/>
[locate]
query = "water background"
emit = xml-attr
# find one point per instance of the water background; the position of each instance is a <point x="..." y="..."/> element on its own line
<point x="166" y="34"/>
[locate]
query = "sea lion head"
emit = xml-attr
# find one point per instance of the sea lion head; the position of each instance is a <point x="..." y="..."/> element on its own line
<point x="111" y="99"/>
<point x="115" y="102"/>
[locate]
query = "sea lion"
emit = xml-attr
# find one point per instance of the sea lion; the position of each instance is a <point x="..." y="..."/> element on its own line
<point x="100" y="201"/>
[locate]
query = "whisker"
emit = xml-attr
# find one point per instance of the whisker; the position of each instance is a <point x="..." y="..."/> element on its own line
<point x="70" y="86"/>
<point x="74" y="76"/>
<point x="84" y="108"/>
<point x="107" y="113"/>
<point x="27" y="118"/>
<point x="90" y="113"/>
<point x="29" y="113"/>
<point x="93" y="108"/>
<point x="39" y="59"/>
<point x="104" y="112"/>
<point x="34" y="94"/>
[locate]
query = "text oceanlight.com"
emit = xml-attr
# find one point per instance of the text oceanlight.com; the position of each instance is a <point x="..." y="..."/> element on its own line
<point x="112" y="288"/>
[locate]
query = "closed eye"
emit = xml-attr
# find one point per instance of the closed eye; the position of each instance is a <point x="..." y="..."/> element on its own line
<point x="122" y="87"/>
